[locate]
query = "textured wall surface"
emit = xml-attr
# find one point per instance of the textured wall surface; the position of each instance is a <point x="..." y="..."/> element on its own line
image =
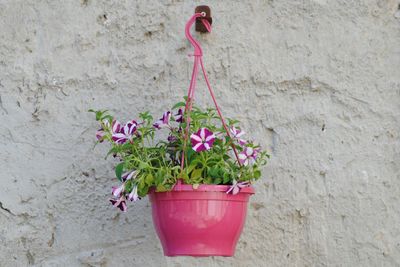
<point x="317" y="82"/>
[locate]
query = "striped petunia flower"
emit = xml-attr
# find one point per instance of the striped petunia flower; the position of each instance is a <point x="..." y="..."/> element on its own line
<point x="164" y="121"/>
<point x="118" y="190"/>
<point x="100" y="134"/>
<point x="129" y="175"/>
<point x="116" y="126"/>
<point x="133" y="196"/>
<point x="171" y="138"/>
<point x="125" y="132"/>
<point x="179" y="116"/>
<point x="236" y="134"/>
<point x="236" y="186"/>
<point x="248" y="156"/>
<point x="202" y="140"/>
<point x="120" y="203"/>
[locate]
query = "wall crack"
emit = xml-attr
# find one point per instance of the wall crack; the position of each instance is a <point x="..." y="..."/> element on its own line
<point x="6" y="209"/>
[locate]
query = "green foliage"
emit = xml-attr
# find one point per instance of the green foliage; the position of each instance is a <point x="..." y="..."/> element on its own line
<point x="157" y="164"/>
<point x="118" y="171"/>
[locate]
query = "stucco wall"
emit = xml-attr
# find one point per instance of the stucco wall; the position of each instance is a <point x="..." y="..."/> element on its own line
<point x="317" y="82"/>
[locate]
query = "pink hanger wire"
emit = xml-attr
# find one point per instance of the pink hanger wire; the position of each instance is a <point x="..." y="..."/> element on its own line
<point x="198" y="61"/>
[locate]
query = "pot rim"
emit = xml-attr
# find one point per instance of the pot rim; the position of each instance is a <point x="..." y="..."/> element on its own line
<point x="209" y="188"/>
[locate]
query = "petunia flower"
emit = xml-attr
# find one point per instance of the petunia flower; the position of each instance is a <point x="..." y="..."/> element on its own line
<point x="118" y="190"/>
<point x="116" y="126"/>
<point x="179" y="116"/>
<point x="100" y="135"/>
<point x="120" y="203"/>
<point x="202" y="140"/>
<point x="101" y="132"/>
<point x="164" y="121"/>
<point x="236" y="134"/>
<point x="236" y="186"/>
<point x="172" y="138"/>
<point x="129" y="127"/>
<point x="248" y="156"/>
<point x="133" y="196"/>
<point x="129" y="175"/>
<point x="125" y="132"/>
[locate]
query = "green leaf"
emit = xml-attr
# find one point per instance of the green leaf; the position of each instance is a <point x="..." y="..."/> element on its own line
<point x="118" y="171"/>
<point x="178" y="105"/>
<point x="195" y="186"/>
<point x="196" y="174"/>
<point x="143" y="165"/>
<point x="232" y="122"/>
<point x="189" y="153"/>
<point x="190" y="168"/>
<point x="226" y="178"/>
<point x="145" y="116"/>
<point x="217" y="180"/>
<point x="161" y="188"/>
<point x="142" y="191"/>
<point x="213" y="171"/>
<point x="99" y="114"/>
<point x="149" y="179"/>
<point x="128" y="186"/>
<point x="185" y="177"/>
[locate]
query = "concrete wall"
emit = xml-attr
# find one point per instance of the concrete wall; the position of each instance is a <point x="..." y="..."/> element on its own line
<point x="316" y="81"/>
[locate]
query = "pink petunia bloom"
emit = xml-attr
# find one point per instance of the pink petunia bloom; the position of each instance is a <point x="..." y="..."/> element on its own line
<point x="116" y="126"/>
<point x="120" y="203"/>
<point x="236" y="186"/>
<point x="129" y="175"/>
<point x="248" y="156"/>
<point x="202" y="140"/>
<point x="118" y="190"/>
<point x="236" y="134"/>
<point x="125" y="133"/>
<point x="133" y="196"/>
<point x="100" y="135"/>
<point x="101" y="132"/>
<point x="179" y="116"/>
<point x="164" y="121"/>
<point x="171" y="138"/>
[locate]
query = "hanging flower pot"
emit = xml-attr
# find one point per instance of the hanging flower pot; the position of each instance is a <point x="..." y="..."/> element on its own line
<point x="199" y="222"/>
<point x="198" y="179"/>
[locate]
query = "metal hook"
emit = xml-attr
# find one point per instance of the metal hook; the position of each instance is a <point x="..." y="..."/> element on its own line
<point x="203" y="24"/>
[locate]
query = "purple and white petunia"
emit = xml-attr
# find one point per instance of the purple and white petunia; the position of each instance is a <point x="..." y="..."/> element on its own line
<point x="172" y="138"/>
<point x="133" y="196"/>
<point x="202" y="140"/>
<point x="236" y="134"/>
<point x="129" y="175"/>
<point x="118" y="194"/>
<point x="179" y="116"/>
<point x="248" y="156"/>
<point x="100" y="135"/>
<point x="116" y="126"/>
<point x="164" y="121"/>
<point x="118" y="190"/>
<point x="236" y="186"/>
<point x="101" y="132"/>
<point x="125" y="133"/>
<point x="120" y="203"/>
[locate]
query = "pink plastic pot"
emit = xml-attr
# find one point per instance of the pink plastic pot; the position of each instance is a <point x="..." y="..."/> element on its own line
<point x="199" y="222"/>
